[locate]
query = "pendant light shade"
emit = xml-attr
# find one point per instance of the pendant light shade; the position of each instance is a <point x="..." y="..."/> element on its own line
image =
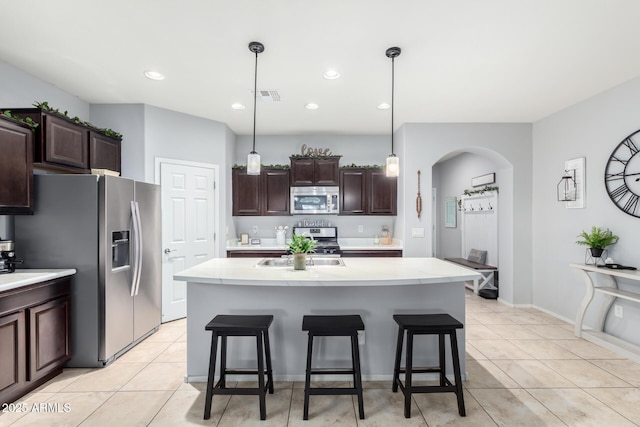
<point x="253" y="159"/>
<point x="393" y="162"/>
<point x="392" y="167"/>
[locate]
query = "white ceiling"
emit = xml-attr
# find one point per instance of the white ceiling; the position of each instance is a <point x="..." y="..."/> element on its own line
<point x="461" y="61"/>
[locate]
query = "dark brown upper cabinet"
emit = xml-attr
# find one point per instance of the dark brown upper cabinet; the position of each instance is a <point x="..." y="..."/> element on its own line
<point x="315" y="171"/>
<point x="367" y="191"/>
<point x="275" y="189"/>
<point x="62" y="145"/>
<point x="266" y="194"/>
<point x="353" y="191"/>
<point x="383" y="193"/>
<point x="104" y="152"/>
<point x="16" y="168"/>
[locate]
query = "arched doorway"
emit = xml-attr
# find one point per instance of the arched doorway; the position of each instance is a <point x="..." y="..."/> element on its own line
<point x="451" y="175"/>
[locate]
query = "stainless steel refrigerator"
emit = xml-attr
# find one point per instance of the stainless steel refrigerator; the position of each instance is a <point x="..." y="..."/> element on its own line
<point x="109" y="229"/>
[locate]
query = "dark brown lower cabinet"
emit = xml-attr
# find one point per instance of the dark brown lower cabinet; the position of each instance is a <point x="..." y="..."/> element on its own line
<point x="12" y="355"/>
<point x="34" y="336"/>
<point x="48" y="337"/>
<point x="373" y="253"/>
<point x="255" y="254"/>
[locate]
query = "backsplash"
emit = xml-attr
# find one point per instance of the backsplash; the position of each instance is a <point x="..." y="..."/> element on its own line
<point x="347" y="226"/>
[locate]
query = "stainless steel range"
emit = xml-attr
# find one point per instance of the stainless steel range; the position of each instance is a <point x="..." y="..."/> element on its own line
<point x="327" y="238"/>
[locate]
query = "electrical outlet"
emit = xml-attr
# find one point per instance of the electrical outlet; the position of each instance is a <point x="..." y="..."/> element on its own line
<point x="360" y="337"/>
<point x="361" y="229"/>
<point x="617" y="310"/>
<point x="254" y="229"/>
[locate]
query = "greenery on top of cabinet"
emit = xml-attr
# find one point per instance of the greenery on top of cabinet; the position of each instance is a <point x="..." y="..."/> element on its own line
<point x="281" y="167"/>
<point x="314" y="156"/>
<point x="354" y="166"/>
<point x="106" y="131"/>
<point x="7" y="114"/>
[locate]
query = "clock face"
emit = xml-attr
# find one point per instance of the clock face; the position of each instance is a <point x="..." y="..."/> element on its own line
<point x="622" y="175"/>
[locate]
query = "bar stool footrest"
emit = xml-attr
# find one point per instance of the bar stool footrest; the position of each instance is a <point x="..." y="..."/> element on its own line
<point x="334" y="371"/>
<point x="244" y="391"/>
<point x="424" y="370"/>
<point x="429" y="388"/>
<point x="333" y="391"/>
<point x="242" y="371"/>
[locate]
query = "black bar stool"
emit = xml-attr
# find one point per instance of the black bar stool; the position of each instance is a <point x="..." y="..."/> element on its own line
<point x="334" y="326"/>
<point x="427" y="324"/>
<point x="223" y="326"/>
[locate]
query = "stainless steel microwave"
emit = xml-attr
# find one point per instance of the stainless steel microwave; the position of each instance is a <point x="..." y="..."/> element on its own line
<point x="315" y="200"/>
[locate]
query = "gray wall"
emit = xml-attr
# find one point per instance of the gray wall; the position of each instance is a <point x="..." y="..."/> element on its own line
<point x="451" y="177"/>
<point x="129" y="120"/>
<point x="20" y="90"/>
<point x="359" y="149"/>
<point x="591" y="129"/>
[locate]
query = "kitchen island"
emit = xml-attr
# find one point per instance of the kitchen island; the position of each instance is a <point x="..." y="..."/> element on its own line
<point x="375" y="288"/>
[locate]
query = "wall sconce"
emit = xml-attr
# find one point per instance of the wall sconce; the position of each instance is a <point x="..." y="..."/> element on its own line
<point x="567" y="188"/>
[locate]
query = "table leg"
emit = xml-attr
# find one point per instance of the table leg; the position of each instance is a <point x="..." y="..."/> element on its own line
<point x="609" y="299"/>
<point x="585" y="303"/>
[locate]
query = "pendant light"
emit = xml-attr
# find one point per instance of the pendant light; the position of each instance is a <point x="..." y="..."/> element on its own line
<point x="393" y="163"/>
<point x="253" y="159"/>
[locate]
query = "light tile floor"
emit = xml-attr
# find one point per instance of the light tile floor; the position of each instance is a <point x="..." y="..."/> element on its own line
<point x="525" y="368"/>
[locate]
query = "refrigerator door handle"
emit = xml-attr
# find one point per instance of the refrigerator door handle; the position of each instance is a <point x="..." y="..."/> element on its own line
<point x="140" y="247"/>
<point x="134" y="266"/>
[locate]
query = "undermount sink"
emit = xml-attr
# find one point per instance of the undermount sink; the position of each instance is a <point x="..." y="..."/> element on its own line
<point x="311" y="261"/>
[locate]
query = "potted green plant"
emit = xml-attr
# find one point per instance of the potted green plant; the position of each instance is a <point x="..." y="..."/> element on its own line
<point x="597" y="239"/>
<point x="300" y="246"/>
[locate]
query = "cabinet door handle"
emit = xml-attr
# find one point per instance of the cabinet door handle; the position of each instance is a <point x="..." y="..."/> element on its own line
<point x="168" y="251"/>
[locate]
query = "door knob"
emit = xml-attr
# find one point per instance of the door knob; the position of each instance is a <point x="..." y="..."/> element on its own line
<point x="167" y="250"/>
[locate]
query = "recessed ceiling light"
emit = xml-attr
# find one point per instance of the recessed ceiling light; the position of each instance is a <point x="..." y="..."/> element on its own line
<point x="238" y="106"/>
<point x="153" y="75"/>
<point x="384" y="106"/>
<point x="331" y="74"/>
<point x="311" y="106"/>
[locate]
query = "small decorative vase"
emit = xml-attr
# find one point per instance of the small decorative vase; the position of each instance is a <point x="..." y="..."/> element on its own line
<point x="299" y="261"/>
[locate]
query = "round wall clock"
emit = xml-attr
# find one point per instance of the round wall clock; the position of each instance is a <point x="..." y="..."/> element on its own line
<point x="622" y="175"/>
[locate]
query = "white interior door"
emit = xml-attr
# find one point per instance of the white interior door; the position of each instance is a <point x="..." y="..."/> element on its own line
<point x="188" y="227"/>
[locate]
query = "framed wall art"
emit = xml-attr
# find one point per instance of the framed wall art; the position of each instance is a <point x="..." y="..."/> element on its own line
<point x="450" y="212"/>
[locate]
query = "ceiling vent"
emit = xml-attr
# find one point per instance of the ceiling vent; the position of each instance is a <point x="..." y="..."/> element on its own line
<point x="268" y="95"/>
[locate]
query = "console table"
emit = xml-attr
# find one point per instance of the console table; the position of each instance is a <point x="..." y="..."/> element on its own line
<point x="611" y="292"/>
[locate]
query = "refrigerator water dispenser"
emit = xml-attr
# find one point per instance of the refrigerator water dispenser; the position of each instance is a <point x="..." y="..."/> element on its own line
<point x="119" y="249"/>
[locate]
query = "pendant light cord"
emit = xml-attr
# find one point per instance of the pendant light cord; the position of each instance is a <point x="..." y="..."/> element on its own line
<point x="255" y="96"/>
<point x="392" y="102"/>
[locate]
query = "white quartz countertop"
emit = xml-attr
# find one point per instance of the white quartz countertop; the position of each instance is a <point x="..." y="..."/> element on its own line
<point x="26" y="277"/>
<point x="346" y="243"/>
<point x="356" y="272"/>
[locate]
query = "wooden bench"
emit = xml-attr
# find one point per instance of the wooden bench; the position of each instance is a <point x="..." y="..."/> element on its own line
<point x="489" y="273"/>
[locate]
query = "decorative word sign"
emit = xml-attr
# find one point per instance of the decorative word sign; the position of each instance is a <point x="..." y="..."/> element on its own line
<point x="318" y="152"/>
